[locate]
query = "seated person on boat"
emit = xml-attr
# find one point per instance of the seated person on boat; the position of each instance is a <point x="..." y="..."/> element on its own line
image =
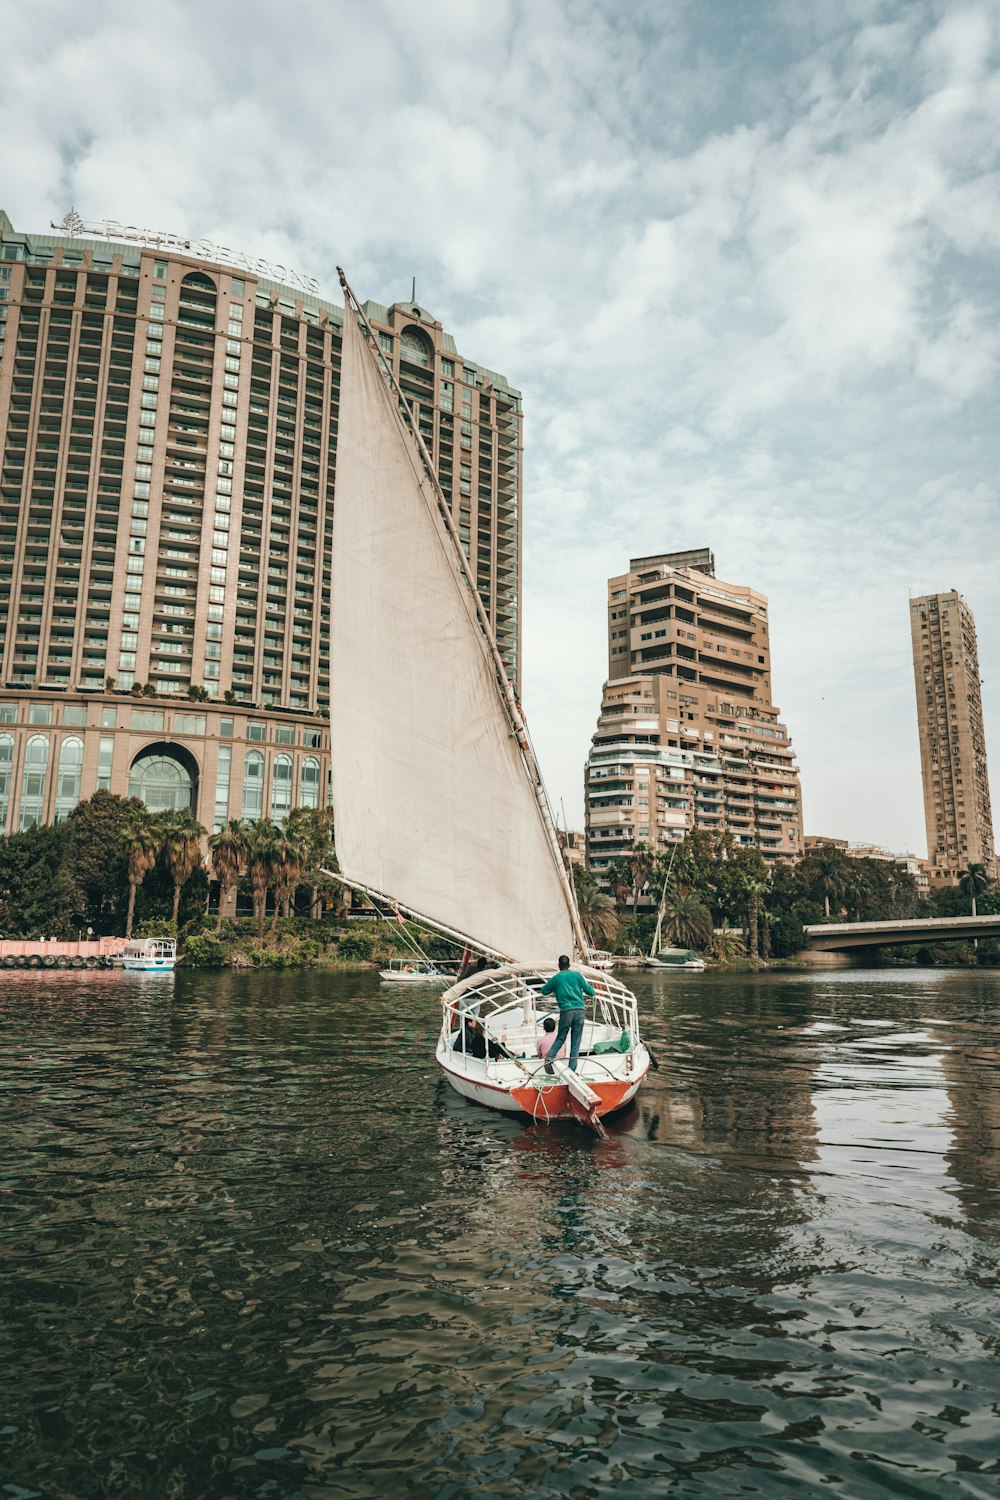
<point x="543" y="1044"/>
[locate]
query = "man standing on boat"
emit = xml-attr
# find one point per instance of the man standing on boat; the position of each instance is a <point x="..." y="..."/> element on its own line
<point x="571" y="991"/>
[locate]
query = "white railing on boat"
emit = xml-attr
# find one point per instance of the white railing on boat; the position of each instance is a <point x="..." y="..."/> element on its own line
<point x="506" y="1000"/>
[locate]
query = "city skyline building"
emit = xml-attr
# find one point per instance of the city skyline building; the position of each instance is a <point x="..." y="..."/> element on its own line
<point x="688" y="736"/>
<point x="168" y="435"/>
<point x="953" y="764"/>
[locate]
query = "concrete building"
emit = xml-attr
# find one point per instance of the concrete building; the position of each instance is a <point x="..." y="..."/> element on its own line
<point x="168" y="420"/>
<point x="952" y="739"/>
<point x="688" y="736"/>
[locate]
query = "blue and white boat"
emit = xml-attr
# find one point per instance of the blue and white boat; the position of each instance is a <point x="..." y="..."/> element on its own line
<point x="150" y="955"/>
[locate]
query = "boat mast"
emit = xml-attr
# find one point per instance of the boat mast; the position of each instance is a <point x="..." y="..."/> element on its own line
<point x="508" y="698"/>
<point x="663" y="901"/>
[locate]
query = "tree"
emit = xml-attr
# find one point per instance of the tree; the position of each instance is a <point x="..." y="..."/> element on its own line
<point x="974" y="880"/>
<point x="261" y="837"/>
<point x="314" y="825"/>
<point x="143" y="841"/>
<point x="619" y="877"/>
<point x="38" y="894"/>
<point x="228" y="850"/>
<point x="597" y="910"/>
<point x="641" y="867"/>
<point x="98" y="829"/>
<point x="828" y="876"/>
<point x="687" y="922"/>
<point x="182" y="851"/>
<point x="288" y="856"/>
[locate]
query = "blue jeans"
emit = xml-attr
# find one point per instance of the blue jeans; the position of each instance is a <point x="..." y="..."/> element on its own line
<point x="570" y="1025"/>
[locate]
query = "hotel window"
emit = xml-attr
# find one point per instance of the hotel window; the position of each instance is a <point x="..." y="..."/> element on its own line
<point x="40" y="713"/>
<point x="68" y="781"/>
<point x="309" y="787"/>
<point x="255" y="730"/>
<point x="253" y="784"/>
<point x="6" y="765"/>
<point x="36" y="760"/>
<point x="145" y="718"/>
<point x="160" y="270"/>
<point x="281" y="788"/>
<point x="312" y="738"/>
<point x="75" y="714"/>
<point x="222" y="775"/>
<point x="284" y="734"/>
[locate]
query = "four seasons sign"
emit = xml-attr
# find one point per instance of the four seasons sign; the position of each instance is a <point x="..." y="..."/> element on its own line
<point x="203" y="249"/>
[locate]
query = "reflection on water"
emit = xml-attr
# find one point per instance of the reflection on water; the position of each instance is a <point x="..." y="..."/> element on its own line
<point x="254" y="1246"/>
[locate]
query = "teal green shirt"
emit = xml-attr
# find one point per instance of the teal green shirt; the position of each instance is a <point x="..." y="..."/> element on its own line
<point x="569" y="988"/>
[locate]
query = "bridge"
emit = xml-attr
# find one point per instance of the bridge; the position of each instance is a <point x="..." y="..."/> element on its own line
<point x="841" y="937"/>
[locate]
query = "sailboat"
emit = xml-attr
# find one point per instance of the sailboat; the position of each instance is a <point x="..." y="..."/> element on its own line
<point x="670" y="958"/>
<point x="440" y="806"/>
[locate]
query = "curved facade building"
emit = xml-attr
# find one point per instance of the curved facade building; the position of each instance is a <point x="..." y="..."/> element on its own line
<point x="169" y="429"/>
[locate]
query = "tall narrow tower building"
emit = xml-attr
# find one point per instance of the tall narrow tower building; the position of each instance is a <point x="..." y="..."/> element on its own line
<point x="952" y="738"/>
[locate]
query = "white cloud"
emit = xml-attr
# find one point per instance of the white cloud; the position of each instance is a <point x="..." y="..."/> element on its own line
<point x="743" y="270"/>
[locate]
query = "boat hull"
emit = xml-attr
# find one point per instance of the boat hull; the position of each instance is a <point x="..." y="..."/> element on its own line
<point x="551" y="1102"/>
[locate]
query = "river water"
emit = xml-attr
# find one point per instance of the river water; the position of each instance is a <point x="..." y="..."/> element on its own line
<point x="252" y="1245"/>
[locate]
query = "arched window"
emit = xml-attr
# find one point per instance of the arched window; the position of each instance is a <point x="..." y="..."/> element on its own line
<point x="415" y="346"/>
<point x="162" y="780"/>
<point x="281" y="788"/>
<point x="309" y="789"/>
<point x="68" y="782"/>
<point x="253" y="784"/>
<point x="36" y="764"/>
<point x="6" y="766"/>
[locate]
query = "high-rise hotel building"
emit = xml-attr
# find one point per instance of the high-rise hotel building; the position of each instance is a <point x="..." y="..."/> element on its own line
<point x="952" y="739"/>
<point x="688" y="736"/>
<point x="168" y="429"/>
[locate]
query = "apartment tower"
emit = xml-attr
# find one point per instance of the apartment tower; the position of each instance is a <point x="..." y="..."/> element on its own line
<point x="688" y="736"/>
<point x="952" y="739"/>
<point x="168" y="429"/>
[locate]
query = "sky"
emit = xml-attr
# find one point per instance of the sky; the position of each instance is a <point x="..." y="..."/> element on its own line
<point x="740" y="259"/>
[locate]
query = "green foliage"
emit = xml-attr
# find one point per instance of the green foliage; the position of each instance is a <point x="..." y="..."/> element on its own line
<point x="358" y="947"/>
<point x="205" y="951"/>
<point x="39" y="893"/>
<point x="787" y="935"/>
<point x="157" y="927"/>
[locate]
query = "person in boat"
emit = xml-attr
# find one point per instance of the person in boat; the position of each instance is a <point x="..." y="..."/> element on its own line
<point x="471" y="1040"/>
<point x="543" y="1046"/>
<point x="571" y="991"/>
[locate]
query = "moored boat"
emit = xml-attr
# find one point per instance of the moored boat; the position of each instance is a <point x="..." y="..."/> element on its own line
<point x="599" y="958"/>
<point x="149" y="955"/>
<point x="412" y="971"/>
<point x="675" y="958"/>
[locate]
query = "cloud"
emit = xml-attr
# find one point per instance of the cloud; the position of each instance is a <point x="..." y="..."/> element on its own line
<point x="742" y="264"/>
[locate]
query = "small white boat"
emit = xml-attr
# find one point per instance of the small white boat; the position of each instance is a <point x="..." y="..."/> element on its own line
<point x="412" y="971"/>
<point x="488" y="1047"/>
<point x="599" y="958"/>
<point x="675" y="958"/>
<point x="150" y="955"/>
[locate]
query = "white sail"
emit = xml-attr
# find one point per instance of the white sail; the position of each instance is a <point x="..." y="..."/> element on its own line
<point x="433" y="802"/>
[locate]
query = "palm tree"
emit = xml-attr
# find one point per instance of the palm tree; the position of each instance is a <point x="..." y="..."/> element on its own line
<point x="855" y="891"/>
<point x="182" y="851"/>
<point x="142" y="845"/>
<point x="314" y="825"/>
<point x="597" y="910"/>
<point x="829" y="878"/>
<point x="288" y="857"/>
<point x="974" y="881"/>
<point x="641" y="867"/>
<point x="687" y="922"/>
<point x="262" y="836"/>
<point x="229" y="854"/>
<point x="620" y="879"/>
<point x="748" y="891"/>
